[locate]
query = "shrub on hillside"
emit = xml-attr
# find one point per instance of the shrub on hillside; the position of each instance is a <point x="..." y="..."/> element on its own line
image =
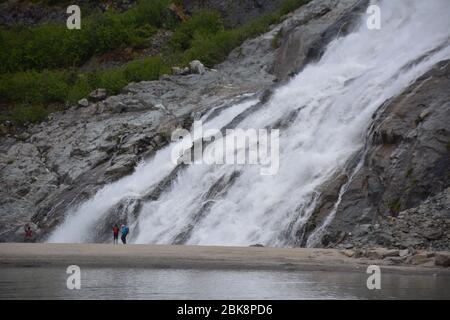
<point x="54" y="46"/>
<point x="202" y="24"/>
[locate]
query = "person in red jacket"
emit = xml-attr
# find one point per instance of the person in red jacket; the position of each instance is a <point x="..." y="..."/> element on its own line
<point x="116" y="234"/>
<point x="28" y="234"/>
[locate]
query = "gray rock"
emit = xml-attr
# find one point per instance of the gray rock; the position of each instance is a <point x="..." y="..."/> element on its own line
<point x="177" y="71"/>
<point x="419" y="259"/>
<point x="396" y="260"/>
<point x="403" y="253"/>
<point x="349" y="253"/>
<point x="84" y="103"/>
<point x="305" y="37"/>
<point x="442" y="259"/>
<point x="97" y="95"/>
<point x="381" y="253"/>
<point x="376" y="254"/>
<point x="22" y="136"/>
<point x="197" y="67"/>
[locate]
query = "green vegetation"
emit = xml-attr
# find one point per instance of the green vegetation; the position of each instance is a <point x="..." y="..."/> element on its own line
<point x="32" y="87"/>
<point x="212" y="45"/>
<point x="39" y="70"/>
<point x="395" y="206"/>
<point x="24" y="113"/>
<point x="409" y="172"/>
<point x="54" y="46"/>
<point x="276" y="41"/>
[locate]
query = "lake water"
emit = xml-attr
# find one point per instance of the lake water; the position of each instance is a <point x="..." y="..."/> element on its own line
<point x="126" y="283"/>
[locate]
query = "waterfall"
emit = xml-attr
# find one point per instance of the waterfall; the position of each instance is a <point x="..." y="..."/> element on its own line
<point x="323" y="114"/>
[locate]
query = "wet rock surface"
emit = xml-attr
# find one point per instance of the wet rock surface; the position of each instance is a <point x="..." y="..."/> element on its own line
<point x="305" y="36"/>
<point x="413" y="257"/>
<point x="400" y="198"/>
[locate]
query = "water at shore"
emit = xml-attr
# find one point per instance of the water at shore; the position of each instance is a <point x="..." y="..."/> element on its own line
<point x="126" y="283"/>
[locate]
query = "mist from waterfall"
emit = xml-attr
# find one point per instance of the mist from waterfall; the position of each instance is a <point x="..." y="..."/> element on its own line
<point x="323" y="114"/>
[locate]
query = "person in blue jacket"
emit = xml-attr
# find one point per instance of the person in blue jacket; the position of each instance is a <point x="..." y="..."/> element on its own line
<point x="124" y="230"/>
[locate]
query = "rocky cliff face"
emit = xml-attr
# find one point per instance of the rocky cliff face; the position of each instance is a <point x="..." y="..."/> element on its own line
<point x="304" y="37"/>
<point x="399" y="198"/>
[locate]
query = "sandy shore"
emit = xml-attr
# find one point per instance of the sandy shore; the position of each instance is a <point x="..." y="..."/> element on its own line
<point x="192" y="257"/>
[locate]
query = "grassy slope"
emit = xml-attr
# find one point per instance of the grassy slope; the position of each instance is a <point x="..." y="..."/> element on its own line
<point x="40" y="73"/>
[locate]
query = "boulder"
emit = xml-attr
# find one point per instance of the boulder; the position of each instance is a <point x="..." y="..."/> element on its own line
<point x="391" y="253"/>
<point x="396" y="260"/>
<point x="197" y="67"/>
<point x="403" y="253"/>
<point x="420" y="258"/>
<point x="97" y="95"/>
<point x="348" y="253"/>
<point x="381" y="253"/>
<point x="177" y="71"/>
<point x="84" y="103"/>
<point x="442" y="259"/>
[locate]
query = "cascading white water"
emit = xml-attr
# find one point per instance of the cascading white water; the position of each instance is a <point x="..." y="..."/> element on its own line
<point x="336" y="98"/>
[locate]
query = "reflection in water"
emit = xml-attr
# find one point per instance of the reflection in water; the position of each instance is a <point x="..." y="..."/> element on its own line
<point x="126" y="283"/>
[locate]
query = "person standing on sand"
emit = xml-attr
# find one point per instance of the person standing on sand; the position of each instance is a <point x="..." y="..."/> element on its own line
<point x="28" y="234"/>
<point x="125" y="232"/>
<point x="116" y="234"/>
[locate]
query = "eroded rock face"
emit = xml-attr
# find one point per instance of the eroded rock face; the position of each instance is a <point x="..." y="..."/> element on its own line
<point x="400" y="197"/>
<point x="426" y="227"/>
<point x="305" y="37"/>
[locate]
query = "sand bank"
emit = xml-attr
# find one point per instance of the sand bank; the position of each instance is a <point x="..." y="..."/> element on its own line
<point x="191" y="257"/>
